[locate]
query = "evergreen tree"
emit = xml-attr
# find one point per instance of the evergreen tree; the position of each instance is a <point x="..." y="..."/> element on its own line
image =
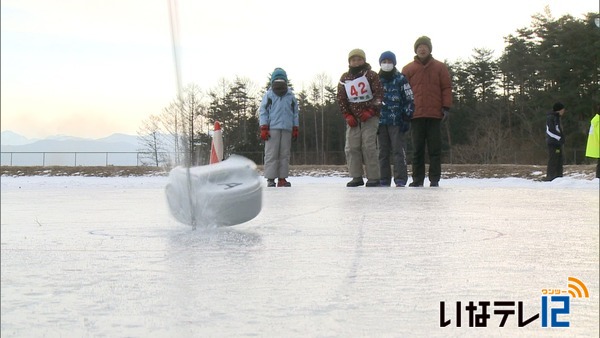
<point x="498" y="114"/>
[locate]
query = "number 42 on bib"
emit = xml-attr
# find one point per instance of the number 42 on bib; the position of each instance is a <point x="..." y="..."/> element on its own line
<point x="358" y="90"/>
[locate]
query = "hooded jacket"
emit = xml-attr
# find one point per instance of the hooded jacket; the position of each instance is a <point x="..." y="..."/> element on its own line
<point x="398" y="102"/>
<point x="431" y="86"/>
<point x="279" y="112"/>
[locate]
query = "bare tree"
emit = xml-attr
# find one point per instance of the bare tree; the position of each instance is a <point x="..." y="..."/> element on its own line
<point x="152" y="146"/>
<point x="170" y="121"/>
<point x="321" y="82"/>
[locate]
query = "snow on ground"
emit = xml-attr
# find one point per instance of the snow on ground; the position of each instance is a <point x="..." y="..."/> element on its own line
<point x="42" y="182"/>
<point x="102" y="257"/>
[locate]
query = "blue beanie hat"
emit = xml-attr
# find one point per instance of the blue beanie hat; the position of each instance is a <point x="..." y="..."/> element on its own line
<point x="278" y="73"/>
<point x="388" y="55"/>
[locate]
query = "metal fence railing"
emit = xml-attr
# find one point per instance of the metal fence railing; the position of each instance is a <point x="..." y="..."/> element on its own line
<point x="69" y="159"/>
<point x="56" y="158"/>
<point x="47" y="159"/>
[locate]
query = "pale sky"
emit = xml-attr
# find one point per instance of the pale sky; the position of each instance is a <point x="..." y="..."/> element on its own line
<point x="91" y="68"/>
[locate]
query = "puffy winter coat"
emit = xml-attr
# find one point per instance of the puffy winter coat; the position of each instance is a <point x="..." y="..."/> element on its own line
<point x="398" y="102"/>
<point x="431" y="86"/>
<point x="356" y="108"/>
<point x="279" y="112"/>
<point x="554" y="133"/>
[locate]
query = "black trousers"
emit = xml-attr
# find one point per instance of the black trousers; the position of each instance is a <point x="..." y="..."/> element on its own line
<point x="426" y="134"/>
<point x="555" y="162"/>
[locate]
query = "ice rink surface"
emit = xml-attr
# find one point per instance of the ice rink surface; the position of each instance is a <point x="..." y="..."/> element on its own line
<point x="102" y="257"/>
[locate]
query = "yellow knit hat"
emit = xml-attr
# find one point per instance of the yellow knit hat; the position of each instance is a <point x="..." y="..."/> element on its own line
<point x="357" y="52"/>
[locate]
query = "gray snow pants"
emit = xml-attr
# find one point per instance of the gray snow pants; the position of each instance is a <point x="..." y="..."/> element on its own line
<point x="361" y="148"/>
<point x="391" y="142"/>
<point x="277" y="154"/>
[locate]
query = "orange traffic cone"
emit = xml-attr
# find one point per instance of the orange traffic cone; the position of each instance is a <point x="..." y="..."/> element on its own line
<point x="216" y="148"/>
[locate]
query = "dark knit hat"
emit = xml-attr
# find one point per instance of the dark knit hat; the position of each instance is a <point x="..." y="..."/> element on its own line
<point x="558" y="106"/>
<point x="424" y="40"/>
<point x="357" y="52"/>
<point x="278" y="73"/>
<point x="388" y="55"/>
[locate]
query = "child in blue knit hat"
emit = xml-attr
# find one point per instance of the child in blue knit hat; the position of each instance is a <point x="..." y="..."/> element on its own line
<point x="278" y="118"/>
<point x="394" y="121"/>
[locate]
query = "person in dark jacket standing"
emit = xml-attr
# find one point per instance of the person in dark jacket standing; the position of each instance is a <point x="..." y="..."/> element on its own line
<point x="432" y="89"/>
<point x="555" y="139"/>
<point x="359" y="95"/>
<point x="396" y="112"/>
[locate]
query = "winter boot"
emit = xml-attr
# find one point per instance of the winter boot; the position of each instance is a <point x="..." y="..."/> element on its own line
<point x="399" y="182"/>
<point x="357" y="181"/>
<point x="283" y="183"/>
<point x="434" y="184"/>
<point x="270" y="182"/>
<point x="372" y="183"/>
<point x="416" y="184"/>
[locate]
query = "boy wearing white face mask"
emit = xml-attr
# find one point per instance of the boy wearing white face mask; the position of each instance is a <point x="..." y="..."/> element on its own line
<point x="394" y="122"/>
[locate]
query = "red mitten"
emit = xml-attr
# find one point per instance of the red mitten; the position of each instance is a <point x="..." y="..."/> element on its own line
<point x="264" y="132"/>
<point x="295" y="133"/>
<point x="351" y="120"/>
<point x="366" y="114"/>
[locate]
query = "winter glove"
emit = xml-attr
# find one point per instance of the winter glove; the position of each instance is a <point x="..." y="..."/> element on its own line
<point x="351" y="120"/>
<point x="446" y="113"/>
<point x="366" y="114"/>
<point x="295" y="133"/>
<point x="264" y="132"/>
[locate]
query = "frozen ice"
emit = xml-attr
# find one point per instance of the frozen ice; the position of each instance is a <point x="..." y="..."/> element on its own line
<point x="103" y="257"/>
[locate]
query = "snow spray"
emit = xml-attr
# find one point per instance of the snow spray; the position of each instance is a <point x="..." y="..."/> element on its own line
<point x="222" y="193"/>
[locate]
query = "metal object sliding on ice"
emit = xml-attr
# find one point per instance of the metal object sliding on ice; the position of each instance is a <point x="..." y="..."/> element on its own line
<point x="222" y="194"/>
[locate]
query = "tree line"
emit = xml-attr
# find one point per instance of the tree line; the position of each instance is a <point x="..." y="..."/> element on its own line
<point x="498" y="115"/>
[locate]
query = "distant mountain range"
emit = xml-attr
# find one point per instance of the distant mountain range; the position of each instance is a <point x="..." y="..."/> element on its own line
<point x="13" y="142"/>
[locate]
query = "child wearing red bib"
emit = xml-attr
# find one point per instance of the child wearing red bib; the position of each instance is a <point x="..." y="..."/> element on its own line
<point x="359" y="95"/>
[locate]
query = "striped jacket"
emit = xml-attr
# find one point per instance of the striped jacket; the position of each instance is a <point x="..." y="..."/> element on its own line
<point x="554" y="133"/>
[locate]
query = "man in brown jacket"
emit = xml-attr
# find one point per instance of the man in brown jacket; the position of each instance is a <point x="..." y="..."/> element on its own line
<point x="432" y="89"/>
